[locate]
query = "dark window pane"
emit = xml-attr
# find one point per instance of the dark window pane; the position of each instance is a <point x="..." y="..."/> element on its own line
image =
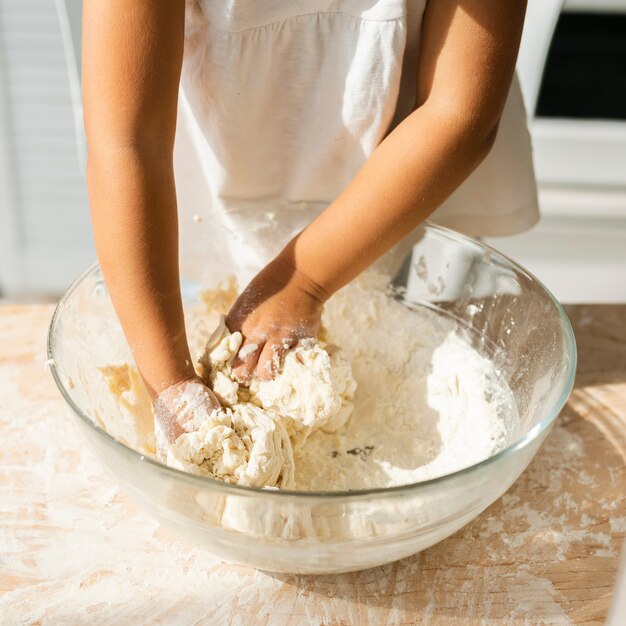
<point x="585" y="75"/>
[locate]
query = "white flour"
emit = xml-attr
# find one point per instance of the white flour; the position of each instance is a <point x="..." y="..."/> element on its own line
<point x="426" y="402"/>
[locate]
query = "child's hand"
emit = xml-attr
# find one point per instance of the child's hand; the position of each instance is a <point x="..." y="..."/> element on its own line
<point x="279" y="308"/>
<point x="182" y="407"/>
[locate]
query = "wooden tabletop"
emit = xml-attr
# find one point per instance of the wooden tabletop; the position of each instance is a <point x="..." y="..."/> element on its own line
<point x="75" y="550"/>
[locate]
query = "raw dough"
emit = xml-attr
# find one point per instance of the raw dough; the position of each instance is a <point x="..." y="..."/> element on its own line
<point x="242" y="444"/>
<point x="313" y="389"/>
<point x="248" y="442"/>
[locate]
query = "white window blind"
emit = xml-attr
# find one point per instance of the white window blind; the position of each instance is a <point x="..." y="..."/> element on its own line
<point x="46" y="238"/>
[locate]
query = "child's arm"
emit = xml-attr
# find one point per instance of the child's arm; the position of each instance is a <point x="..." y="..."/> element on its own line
<point x="132" y="56"/>
<point x="467" y="60"/>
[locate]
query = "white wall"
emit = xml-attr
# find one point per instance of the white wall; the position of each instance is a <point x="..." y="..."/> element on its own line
<point x="45" y="236"/>
<point x="578" y="249"/>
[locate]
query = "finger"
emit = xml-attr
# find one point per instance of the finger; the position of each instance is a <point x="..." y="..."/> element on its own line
<point x="165" y="417"/>
<point x="271" y="358"/>
<point x="211" y="402"/>
<point x="246" y="361"/>
<point x="307" y="341"/>
<point x="183" y="407"/>
<point x="169" y="429"/>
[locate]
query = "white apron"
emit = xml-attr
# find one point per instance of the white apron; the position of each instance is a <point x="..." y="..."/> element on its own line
<point x="281" y="103"/>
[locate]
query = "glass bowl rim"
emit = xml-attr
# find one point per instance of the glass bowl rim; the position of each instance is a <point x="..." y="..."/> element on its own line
<point x="205" y="481"/>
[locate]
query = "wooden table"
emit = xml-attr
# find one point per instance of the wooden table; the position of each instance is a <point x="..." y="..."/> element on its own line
<point x="75" y="550"/>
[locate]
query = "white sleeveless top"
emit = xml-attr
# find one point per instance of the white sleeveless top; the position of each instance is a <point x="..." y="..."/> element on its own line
<point x="281" y="103"/>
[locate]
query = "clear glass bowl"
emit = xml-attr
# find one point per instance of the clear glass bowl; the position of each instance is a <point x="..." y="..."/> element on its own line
<point x="506" y="313"/>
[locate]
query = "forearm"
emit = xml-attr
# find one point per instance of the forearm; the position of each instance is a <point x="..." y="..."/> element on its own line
<point x="466" y="63"/>
<point x="132" y="56"/>
<point x="408" y="176"/>
<point x="133" y="206"/>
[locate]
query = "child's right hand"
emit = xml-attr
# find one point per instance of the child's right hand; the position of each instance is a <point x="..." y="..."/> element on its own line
<point x="181" y="407"/>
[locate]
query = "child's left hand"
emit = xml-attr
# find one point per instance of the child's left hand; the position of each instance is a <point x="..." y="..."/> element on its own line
<point x="279" y="308"/>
